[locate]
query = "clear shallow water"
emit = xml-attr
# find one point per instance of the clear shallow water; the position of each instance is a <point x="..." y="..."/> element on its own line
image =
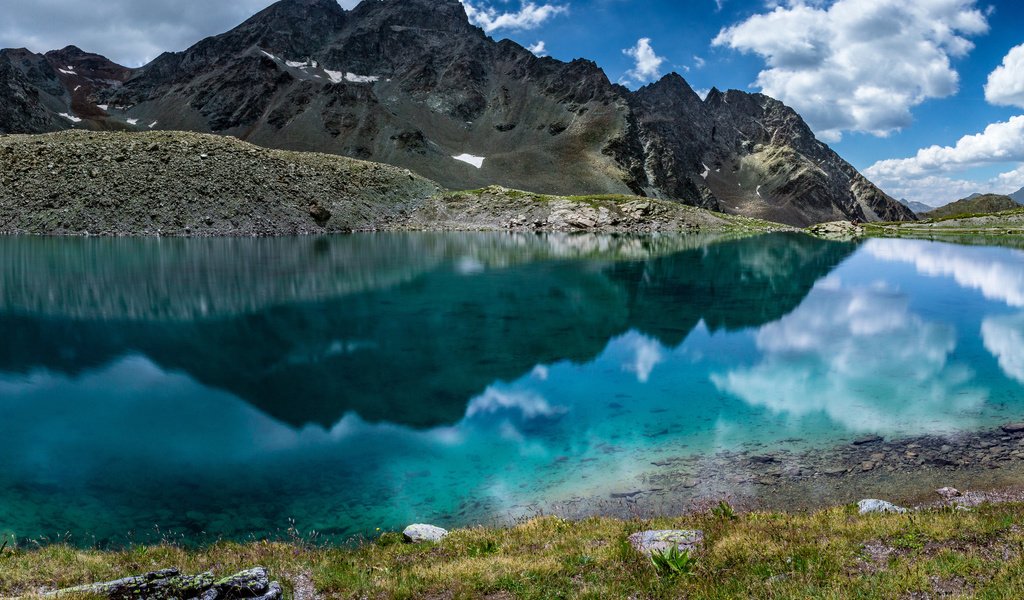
<point x="220" y="388"/>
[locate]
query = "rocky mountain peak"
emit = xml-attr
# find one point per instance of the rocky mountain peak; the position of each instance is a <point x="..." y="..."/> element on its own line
<point x="439" y="15"/>
<point x="298" y="27"/>
<point x="298" y="9"/>
<point x="715" y="98"/>
<point x="69" y="51"/>
<point x="72" y="60"/>
<point x="672" y="90"/>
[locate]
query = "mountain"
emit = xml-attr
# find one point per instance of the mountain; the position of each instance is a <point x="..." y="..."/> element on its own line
<point x="414" y="84"/>
<point x="1018" y="196"/>
<point x="977" y="204"/>
<point x="917" y="207"/>
<point x="55" y="91"/>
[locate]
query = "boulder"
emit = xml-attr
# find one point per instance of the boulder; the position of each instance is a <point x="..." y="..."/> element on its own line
<point x="948" y="493"/>
<point x="418" y="533"/>
<point x="1013" y="428"/>
<point x="647" y="542"/>
<point x="253" y="584"/>
<point x="837" y="230"/>
<point x="878" y="506"/>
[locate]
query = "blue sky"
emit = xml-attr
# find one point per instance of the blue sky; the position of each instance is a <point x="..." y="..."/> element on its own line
<point x="914" y="93"/>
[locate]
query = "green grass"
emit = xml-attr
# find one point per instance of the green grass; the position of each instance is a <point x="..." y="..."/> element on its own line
<point x="829" y="554"/>
<point x="1015" y="212"/>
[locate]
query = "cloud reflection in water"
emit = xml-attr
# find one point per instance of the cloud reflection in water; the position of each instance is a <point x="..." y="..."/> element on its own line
<point x="859" y="356"/>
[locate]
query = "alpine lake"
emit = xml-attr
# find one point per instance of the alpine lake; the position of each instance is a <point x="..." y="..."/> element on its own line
<point x="205" y="389"/>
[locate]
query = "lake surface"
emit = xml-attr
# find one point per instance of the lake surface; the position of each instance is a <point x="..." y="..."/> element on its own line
<point x="198" y="389"/>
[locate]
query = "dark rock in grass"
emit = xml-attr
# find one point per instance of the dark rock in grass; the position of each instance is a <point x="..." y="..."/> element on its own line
<point x="251" y="584"/>
<point x="647" y="542"/>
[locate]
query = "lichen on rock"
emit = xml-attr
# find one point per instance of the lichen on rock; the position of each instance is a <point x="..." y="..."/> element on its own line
<point x="168" y="584"/>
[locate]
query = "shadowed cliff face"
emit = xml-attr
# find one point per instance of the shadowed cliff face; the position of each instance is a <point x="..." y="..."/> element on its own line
<point x="311" y="331"/>
<point x="413" y="83"/>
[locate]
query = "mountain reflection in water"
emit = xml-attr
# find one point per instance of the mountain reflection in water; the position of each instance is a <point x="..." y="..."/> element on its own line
<point x="221" y="387"/>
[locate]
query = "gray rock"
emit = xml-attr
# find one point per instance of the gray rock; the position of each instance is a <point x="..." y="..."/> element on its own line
<point x="948" y="492"/>
<point x="243" y="582"/>
<point x="170" y="583"/>
<point x="419" y="533"/>
<point x="647" y="542"/>
<point x="878" y="506"/>
<point x="836" y="230"/>
<point x="1013" y="428"/>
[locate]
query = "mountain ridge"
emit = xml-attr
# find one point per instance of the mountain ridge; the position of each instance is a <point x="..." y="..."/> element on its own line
<point x="974" y="204"/>
<point x="917" y="207"/>
<point x="414" y="84"/>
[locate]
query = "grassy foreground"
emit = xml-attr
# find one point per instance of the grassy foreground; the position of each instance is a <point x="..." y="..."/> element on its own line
<point x="829" y="554"/>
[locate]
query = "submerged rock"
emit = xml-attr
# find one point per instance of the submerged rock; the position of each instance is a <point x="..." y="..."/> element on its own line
<point x="878" y="506"/>
<point x="647" y="542"/>
<point x="870" y="439"/>
<point x="418" y="533"/>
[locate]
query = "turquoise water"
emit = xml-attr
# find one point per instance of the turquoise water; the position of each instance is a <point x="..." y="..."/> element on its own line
<point x="200" y="389"/>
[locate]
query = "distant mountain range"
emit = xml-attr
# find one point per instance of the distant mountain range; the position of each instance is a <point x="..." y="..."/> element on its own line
<point x="917" y="207"/>
<point x="413" y="83"/>
<point x="973" y="204"/>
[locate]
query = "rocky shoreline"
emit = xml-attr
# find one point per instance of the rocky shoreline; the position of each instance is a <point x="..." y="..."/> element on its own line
<point x="906" y="470"/>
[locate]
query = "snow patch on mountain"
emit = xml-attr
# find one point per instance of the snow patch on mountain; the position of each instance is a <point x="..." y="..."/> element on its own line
<point x="476" y="161"/>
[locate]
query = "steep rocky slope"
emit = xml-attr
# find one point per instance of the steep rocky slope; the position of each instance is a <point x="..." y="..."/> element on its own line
<point x="172" y="183"/>
<point x="412" y="83"/>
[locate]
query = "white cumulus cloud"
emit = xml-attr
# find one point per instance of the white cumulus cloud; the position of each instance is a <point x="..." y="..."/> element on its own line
<point x="926" y="172"/>
<point x="529" y="16"/>
<point x="1005" y="85"/>
<point x="858" y="65"/>
<point x="539" y="49"/>
<point x="648" y="63"/>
